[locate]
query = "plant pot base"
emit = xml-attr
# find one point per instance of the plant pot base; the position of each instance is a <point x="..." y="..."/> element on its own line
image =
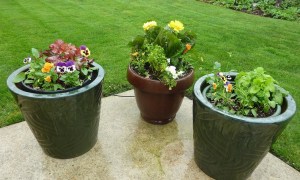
<point x="157" y="121"/>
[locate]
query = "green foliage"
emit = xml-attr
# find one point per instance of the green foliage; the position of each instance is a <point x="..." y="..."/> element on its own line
<point x="71" y="79"/>
<point x="156" y="59"/>
<point x="257" y="89"/>
<point x="252" y="91"/>
<point x="287" y="9"/>
<point x="159" y="53"/>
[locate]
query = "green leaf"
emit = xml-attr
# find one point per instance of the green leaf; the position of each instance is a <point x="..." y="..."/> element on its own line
<point x="246" y="111"/>
<point x="57" y="86"/>
<point x="254" y="89"/>
<point x="272" y="104"/>
<point x="254" y="99"/>
<point x="281" y="90"/>
<point x="225" y="108"/>
<point x="27" y="81"/>
<point x="253" y="111"/>
<point x="84" y="71"/>
<point x="278" y="98"/>
<point x="35" y="53"/>
<point x="20" y="77"/>
<point x="259" y="70"/>
<point x="232" y="111"/>
<point x="93" y="68"/>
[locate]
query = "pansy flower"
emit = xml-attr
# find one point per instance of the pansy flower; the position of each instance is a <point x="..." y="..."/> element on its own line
<point x="47" y="67"/>
<point x="84" y="51"/>
<point x="70" y="66"/>
<point x="27" y="60"/>
<point x="61" y="67"/>
<point x="229" y="88"/>
<point x="227" y="85"/>
<point x="214" y="86"/>
<point x="48" y="79"/>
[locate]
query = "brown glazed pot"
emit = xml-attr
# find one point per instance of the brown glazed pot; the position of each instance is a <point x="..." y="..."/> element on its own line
<point x="158" y="104"/>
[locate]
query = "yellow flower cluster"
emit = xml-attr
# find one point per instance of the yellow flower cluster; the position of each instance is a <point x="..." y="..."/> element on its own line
<point x="176" y="25"/>
<point x="47" y="67"/>
<point x="149" y="25"/>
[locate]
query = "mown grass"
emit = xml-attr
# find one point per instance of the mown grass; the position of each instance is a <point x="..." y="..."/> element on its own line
<point x="237" y="40"/>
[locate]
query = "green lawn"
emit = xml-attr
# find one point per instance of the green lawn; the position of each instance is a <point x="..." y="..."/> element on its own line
<point x="106" y="26"/>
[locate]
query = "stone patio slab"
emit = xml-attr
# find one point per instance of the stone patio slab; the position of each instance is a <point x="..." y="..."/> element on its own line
<point x="127" y="148"/>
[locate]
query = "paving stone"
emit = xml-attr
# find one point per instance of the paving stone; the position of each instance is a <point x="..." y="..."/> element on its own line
<point x="127" y="148"/>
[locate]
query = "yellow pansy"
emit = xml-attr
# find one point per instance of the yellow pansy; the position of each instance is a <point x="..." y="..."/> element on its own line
<point x="48" y="79"/>
<point x="149" y="25"/>
<point x="214" y="86"/>
<point x="47" y="67"/>
<point x="176" y="25"/>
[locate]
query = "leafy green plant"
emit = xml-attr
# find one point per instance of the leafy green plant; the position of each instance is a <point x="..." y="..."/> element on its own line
<point x="159" y="53"/>
<point x="60" y="67"/>
<point x="251" y="93"/>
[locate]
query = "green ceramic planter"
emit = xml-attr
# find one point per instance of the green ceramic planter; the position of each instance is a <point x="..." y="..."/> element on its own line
<point x="228" y="146"/>
<point x="65" y="124"/>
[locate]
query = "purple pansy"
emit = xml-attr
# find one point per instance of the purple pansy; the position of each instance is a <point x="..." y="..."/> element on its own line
<point x="70" y="65"/>
<point x="61" y="67"/>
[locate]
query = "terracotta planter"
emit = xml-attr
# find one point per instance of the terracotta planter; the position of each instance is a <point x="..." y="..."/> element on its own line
<point x="158" y="104"/>
<point x="228" y="146"/>
<point x="65" y="124"/>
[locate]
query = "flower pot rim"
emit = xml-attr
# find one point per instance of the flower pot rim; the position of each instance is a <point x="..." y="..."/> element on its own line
<point x="157" y="86"/>
<point x="12" y="86"/>
<point x="287" y="114"/>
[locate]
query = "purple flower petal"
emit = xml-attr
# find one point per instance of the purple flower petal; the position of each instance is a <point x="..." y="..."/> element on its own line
<point x="82" y="47"/>
<point x="60" y="64"/>
<point x="70" y="63"/>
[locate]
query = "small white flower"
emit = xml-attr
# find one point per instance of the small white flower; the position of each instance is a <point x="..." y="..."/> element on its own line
<point x="168" y="60"/>
<point x="172" y="70"/>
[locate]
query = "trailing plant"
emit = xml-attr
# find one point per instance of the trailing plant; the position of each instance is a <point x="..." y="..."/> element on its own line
<point x="159" y="53"/>
<point x="252" y="93"/>
<point x="62" y="66"/>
